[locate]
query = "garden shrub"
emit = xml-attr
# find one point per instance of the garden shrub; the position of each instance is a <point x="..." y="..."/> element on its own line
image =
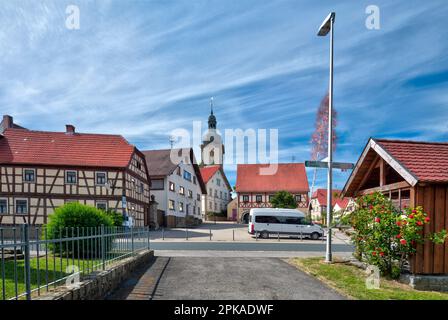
<point x="116" y="217"/>
<point x="72" y="219"/>
<point x="384" y="236"/>
<point x="283" y="199"/>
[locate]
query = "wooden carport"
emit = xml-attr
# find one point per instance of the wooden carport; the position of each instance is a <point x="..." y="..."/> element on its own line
<point x="411" y="174"/>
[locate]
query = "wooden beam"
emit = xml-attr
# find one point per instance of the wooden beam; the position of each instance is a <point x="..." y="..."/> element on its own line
<point x="382" y="172"/>
<point x="367" y="174"/>
<point x="387" y="187"/>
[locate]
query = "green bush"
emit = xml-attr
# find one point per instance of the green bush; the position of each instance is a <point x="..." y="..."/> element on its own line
<point x="283" y="199"/>
<point x="72" y="219"/>
<point x="116" y="217"/>
<point x="385" y="236"/>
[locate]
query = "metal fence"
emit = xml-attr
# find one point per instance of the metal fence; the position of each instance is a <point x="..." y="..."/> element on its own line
<point x="35" y="260"/>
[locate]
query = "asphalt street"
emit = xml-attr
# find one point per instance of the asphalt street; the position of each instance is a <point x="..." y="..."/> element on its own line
<point x="198" y="278"/>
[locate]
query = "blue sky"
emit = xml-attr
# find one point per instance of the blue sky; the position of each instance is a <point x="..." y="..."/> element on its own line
<point x="144" y="68"/>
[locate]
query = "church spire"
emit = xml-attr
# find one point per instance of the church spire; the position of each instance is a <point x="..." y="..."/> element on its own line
<point x="211" y="118"/>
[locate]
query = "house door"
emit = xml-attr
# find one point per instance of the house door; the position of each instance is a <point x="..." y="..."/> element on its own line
<point x="234" y="214"/>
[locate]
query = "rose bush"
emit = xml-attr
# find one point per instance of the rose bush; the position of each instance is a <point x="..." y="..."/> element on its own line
<point x="386" y="237"/>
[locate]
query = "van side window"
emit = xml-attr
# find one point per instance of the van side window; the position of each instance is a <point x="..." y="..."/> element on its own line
<point x="293" y="220"/>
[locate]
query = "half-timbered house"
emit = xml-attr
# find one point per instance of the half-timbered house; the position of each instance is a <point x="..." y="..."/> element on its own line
<point x="256" y="184"/>
<point x="40" y="171"/>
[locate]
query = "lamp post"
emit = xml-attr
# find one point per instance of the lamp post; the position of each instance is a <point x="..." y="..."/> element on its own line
<point x="325" y="28"/>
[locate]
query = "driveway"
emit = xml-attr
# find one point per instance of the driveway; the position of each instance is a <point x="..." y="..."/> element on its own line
<point x="216" y="278"/>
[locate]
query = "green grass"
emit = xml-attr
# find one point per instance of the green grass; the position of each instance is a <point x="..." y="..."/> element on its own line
<point x="350" y="281"/>
<point x="55" y="265"/>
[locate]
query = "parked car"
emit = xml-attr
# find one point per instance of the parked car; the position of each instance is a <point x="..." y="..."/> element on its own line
<point x="267" y="221"/>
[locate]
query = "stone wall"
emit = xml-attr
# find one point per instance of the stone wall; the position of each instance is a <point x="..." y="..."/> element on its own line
<point x="426" y="282"/>
<point x="99" y="284"/>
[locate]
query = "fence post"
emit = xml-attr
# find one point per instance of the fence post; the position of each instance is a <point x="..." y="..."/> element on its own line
<point x="132" y="239"/>
<point x="278" y="236"/>
<point x="163" y="233"/>
<point x="233" y="234"/>
<point x="26" y="236"/>
<point x="210" y="234"/>
<point x="103" y="248"/>
<point x="149" y="239"/>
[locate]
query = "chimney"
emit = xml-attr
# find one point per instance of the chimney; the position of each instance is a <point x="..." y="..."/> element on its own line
<point x="69" y="129"/>
<point x="7" y="122"/>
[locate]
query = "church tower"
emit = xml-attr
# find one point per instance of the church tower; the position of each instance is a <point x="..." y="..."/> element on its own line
<point x="212" y="148"/>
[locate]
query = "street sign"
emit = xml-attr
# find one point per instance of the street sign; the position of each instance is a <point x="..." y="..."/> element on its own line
<point x="343" y="165"/>
<point x="324" y="164"/>
<point x="316" y="164"/>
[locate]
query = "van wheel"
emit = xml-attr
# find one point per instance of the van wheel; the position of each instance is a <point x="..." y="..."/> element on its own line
<point x="315" y="236"/>
<point x="264" y="235"/>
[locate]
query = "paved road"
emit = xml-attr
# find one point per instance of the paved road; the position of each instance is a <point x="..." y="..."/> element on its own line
<point x="178" y="278"/>
<point x="249" y="246"/>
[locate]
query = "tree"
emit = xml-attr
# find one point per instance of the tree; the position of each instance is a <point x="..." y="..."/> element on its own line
<point x="319" y="139"/>
<point x="283" y="199"/>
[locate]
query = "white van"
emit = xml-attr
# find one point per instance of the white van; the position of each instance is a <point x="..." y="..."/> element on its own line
<point x="266" y="221"/>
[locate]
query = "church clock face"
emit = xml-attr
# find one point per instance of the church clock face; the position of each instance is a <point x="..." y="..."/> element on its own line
<point x="212" y="138"/>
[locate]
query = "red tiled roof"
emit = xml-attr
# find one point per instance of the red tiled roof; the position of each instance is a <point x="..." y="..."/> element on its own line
<point x="208" y="172"/>
<point x="426" y="161"/>
<point x="289" y="177"/>
<point x="321" y="195"/>
<point x="21" y="146"/>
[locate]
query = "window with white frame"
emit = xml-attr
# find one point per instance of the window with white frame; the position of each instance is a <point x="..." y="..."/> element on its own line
<point x="181" y="207"/>
<point x="21" y="206"/>
<point x="181" y="190"/>
<point x="218" y="182"/>
<point x="190" y="194"/>
<point x="259" y="198"/>
<point x="3" y="206"/>
<point x="198" y="197"/>
<point x="171" y="204"/>
<point x="172" y="186"/>
<point x="298" y="197"/>
<point x="245" y="198"/>
<point x="71" y="177"/>
<point x="101" y="205"/>
<point x="29" y="175"/>
<point x="100" y="178"/>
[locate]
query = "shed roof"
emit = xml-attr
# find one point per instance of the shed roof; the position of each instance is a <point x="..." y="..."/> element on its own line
<point x="415" y="161"/>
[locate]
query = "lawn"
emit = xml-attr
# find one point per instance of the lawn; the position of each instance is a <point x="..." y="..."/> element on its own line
<point x="350" y="281"/>
<point x="56" y="270"/>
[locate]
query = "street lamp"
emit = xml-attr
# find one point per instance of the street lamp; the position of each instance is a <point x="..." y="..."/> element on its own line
<point x="325" y="28"/>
